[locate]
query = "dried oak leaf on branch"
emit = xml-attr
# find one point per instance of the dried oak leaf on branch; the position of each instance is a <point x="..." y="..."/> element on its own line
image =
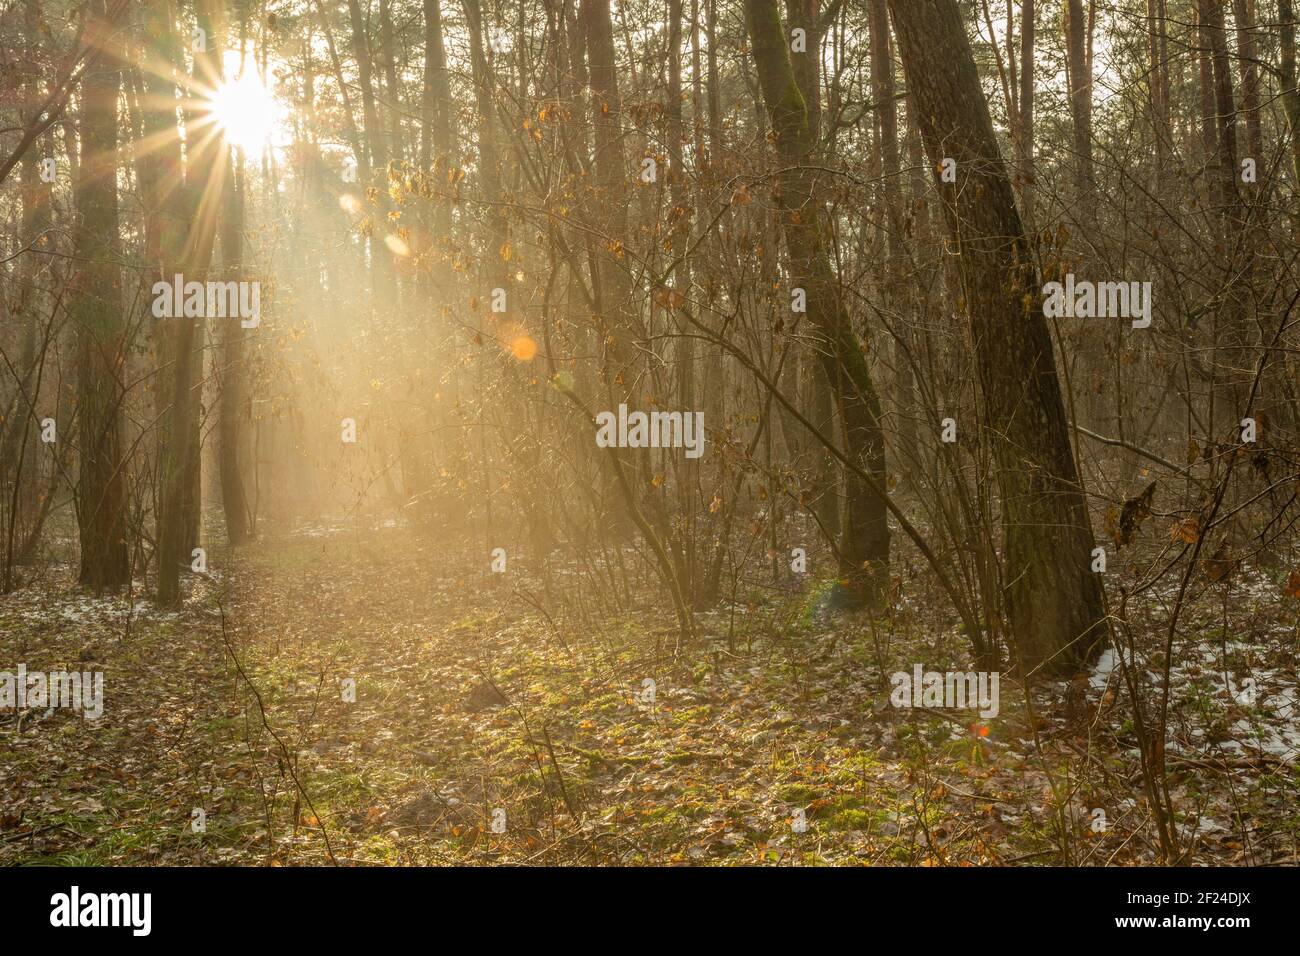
<point x="1136" y="510"/>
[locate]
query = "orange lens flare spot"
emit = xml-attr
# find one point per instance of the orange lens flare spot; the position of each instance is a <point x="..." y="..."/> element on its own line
<point x="523" y="348"/>
<point x="396" y="245"/>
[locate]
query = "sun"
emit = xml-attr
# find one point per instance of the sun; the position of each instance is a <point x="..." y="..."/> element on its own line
<point x="246" y="111"/>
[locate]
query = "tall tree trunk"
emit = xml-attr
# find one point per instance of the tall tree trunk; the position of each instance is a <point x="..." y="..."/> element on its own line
<point x="1077" y="43"/>
<point x="825" y="493"/>
<point x="1230" y="321"/>
<point x="1158" y="80"/>
<point x="806" y="15"/>
<point x="497" y="272"/>
<point x="1247" y="54"/>
<point x="1290" y="94"/>
<point x="436" y="136"/>
<point x="375" y="166"/>
<point x="376" y="148"/>
<point x="231" y="363"/>
<point x="1053" y="597"/>
<point x="18" y="443"/>
<point x="1209" y="128"/>
<point x="388" y="54"/>
<point x="180" y="502"/>
<point x="100" y="324"/>
<point x="1025" y="140"/>
<point x="1214" y="35"/>
<point x="882" y="85"/>
<point x="162" y="180"/>
<point x="612" y="173"/>
<point x="864" y="544"/>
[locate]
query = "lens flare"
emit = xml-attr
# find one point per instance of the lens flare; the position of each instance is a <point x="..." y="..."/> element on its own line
<point x="246" y="111"/>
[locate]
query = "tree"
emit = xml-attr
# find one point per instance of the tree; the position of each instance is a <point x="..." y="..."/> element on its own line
<point x="98" y="316"/>
<point x="1290" y="92"/>
<point x="1054" y="599"/>
<point x="1025" y="119"/>
<point x="864" y="537"/>
<point x="1078" y="60"/>
<point x="191" y="197"/>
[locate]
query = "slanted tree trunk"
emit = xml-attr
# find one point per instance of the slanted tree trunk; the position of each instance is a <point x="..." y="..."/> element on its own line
<point x="864" y="540"/>
<point x="820" y="405"/>
<point x="1053" y="597"/>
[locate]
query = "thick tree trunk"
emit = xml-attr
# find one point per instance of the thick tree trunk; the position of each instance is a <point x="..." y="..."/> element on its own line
<point x="98" y="317"/>
<point x="805" y="15"/>
<point x="1053" y="597"/>
<point x="864" y="544"/>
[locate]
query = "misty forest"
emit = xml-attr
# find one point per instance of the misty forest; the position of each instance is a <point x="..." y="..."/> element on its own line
<point x="649" y="432"/>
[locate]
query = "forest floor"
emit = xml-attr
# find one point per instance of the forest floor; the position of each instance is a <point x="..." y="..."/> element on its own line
<point x="476" y="710"/>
